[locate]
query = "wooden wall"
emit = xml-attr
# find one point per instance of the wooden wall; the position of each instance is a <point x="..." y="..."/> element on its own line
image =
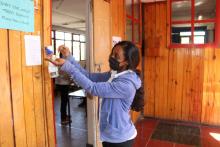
<point x="118" y="19"/>
<point x="26" y="102"/>
<point x="180" y="83"/>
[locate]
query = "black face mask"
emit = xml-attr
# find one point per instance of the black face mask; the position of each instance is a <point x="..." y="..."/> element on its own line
<point x="114" y="64"/>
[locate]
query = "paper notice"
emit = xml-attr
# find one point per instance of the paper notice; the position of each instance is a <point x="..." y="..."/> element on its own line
<point x="32" y="50"/>
<point x="115" y="40"/>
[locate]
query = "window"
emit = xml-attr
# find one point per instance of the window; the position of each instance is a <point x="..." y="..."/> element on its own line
<point x="76" y="50"/>
<point x="133" y="21"/>
<point x="194" y="23"/>
<point x="83" y="51"/>
<point x="75" y="42"/>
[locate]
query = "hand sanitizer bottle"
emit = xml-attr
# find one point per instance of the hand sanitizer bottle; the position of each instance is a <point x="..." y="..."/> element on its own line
<point x="53" y="69"/>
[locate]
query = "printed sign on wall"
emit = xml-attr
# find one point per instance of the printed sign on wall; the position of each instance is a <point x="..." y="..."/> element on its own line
<point x="32" y="50"/>
<point x="115" y="40"/>
<point x="17" y="15"/>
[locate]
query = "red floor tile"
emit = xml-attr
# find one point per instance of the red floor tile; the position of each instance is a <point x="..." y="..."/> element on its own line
<point x="140" y="142"/>
<point x="150" y="123"/>
<point x="208" y="136"/>
<point x="206" y="130"/>
<point x="146" y="127"/>
<point x="182" y="145"/>
<point x="210" y="142"/>
<point x="159" y="143"/>
<point x="146" y="133"/>
<point x="143" y="135"/>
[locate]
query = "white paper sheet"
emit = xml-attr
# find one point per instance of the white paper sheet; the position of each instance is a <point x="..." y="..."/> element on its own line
<point x="115" y="40"/>
<point x="32" y="50"/>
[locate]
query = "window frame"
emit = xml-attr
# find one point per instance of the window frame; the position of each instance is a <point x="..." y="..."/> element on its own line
<point x="53" y="39"/>
<point x="192" y="22"/>
<point x="135" y="21"/>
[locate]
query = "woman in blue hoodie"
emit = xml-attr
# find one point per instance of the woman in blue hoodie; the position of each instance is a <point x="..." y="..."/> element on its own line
<point x="120" y="90"/>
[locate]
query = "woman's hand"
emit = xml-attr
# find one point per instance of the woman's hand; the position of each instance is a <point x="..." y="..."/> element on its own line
<point x="57" y="62"/>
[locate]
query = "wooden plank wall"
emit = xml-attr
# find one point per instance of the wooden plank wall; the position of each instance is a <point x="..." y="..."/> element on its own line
<point x="182" y="83"/>
<point x="118" y="18"/>
<point x="6" y="139"/>
<point x="47" y="84"/>
<point x="26" y="102"/>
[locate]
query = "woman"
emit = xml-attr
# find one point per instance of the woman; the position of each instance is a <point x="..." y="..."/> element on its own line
<point x="117" y="90"/>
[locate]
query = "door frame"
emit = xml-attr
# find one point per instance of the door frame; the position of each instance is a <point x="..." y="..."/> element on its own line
<point x="92" y="104"/>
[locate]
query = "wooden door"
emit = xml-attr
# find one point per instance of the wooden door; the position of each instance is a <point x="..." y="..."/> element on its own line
<point x="26" y="100"/>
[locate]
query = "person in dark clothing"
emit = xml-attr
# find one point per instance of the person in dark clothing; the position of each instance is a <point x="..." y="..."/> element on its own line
<point x="63" y="82"/>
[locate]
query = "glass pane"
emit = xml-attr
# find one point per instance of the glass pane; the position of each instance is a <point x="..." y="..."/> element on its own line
<point x="129" y="7"/>
<point x="129" y="30"/>
<point x="136" y="9"/>
<point x="52" y="34"/>
<point x="181" y="33"/>
<point x="185" y="40"/>
<point x="83" y="51"/>
<point x="58" y="43"/>
<point x="136" y="32"/>
<point x="76" y="37"/>
<point x="76" y="50"/>
<point x="53" y="47"/>
<point x="82" y="38"/>
<point x="69" y="45"/>
<point x="204" y="33"/>
<point x="205" y="9"/>
<point x="68" y="36"/>
<point x="199" y="39"/>
<point x="59" y="35"/>
<point x="181" y="10"/>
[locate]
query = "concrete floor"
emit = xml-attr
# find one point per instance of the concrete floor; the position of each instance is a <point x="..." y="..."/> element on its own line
<point x="76" y="135"/>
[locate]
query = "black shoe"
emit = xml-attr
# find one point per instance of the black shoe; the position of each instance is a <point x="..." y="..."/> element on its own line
<point x="66" y="120"/>
<point x="68" y="116"/>
<point x="82" y="104"/>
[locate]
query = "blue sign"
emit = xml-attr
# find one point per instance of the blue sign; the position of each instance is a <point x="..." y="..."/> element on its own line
<point x="17" y="15"/>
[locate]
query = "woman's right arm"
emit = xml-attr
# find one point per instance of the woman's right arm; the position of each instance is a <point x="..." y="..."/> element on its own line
<point x="95" y="77"/>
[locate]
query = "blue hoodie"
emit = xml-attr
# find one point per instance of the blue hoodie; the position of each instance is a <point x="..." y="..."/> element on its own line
<point x="117" y="96"/>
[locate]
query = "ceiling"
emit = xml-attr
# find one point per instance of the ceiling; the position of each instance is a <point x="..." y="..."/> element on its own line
<point x="69" y="15"/>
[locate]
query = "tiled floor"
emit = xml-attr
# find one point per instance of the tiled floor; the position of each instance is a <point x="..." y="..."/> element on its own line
<point x="159" y="133"/>
<point x="76" y="135"/>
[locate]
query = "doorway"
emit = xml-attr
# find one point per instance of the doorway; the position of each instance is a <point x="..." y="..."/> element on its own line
<point x="69" y="29"/>
<point x="94" y="22"/>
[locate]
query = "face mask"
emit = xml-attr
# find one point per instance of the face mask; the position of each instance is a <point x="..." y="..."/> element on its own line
<point x="114" y="64"/>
